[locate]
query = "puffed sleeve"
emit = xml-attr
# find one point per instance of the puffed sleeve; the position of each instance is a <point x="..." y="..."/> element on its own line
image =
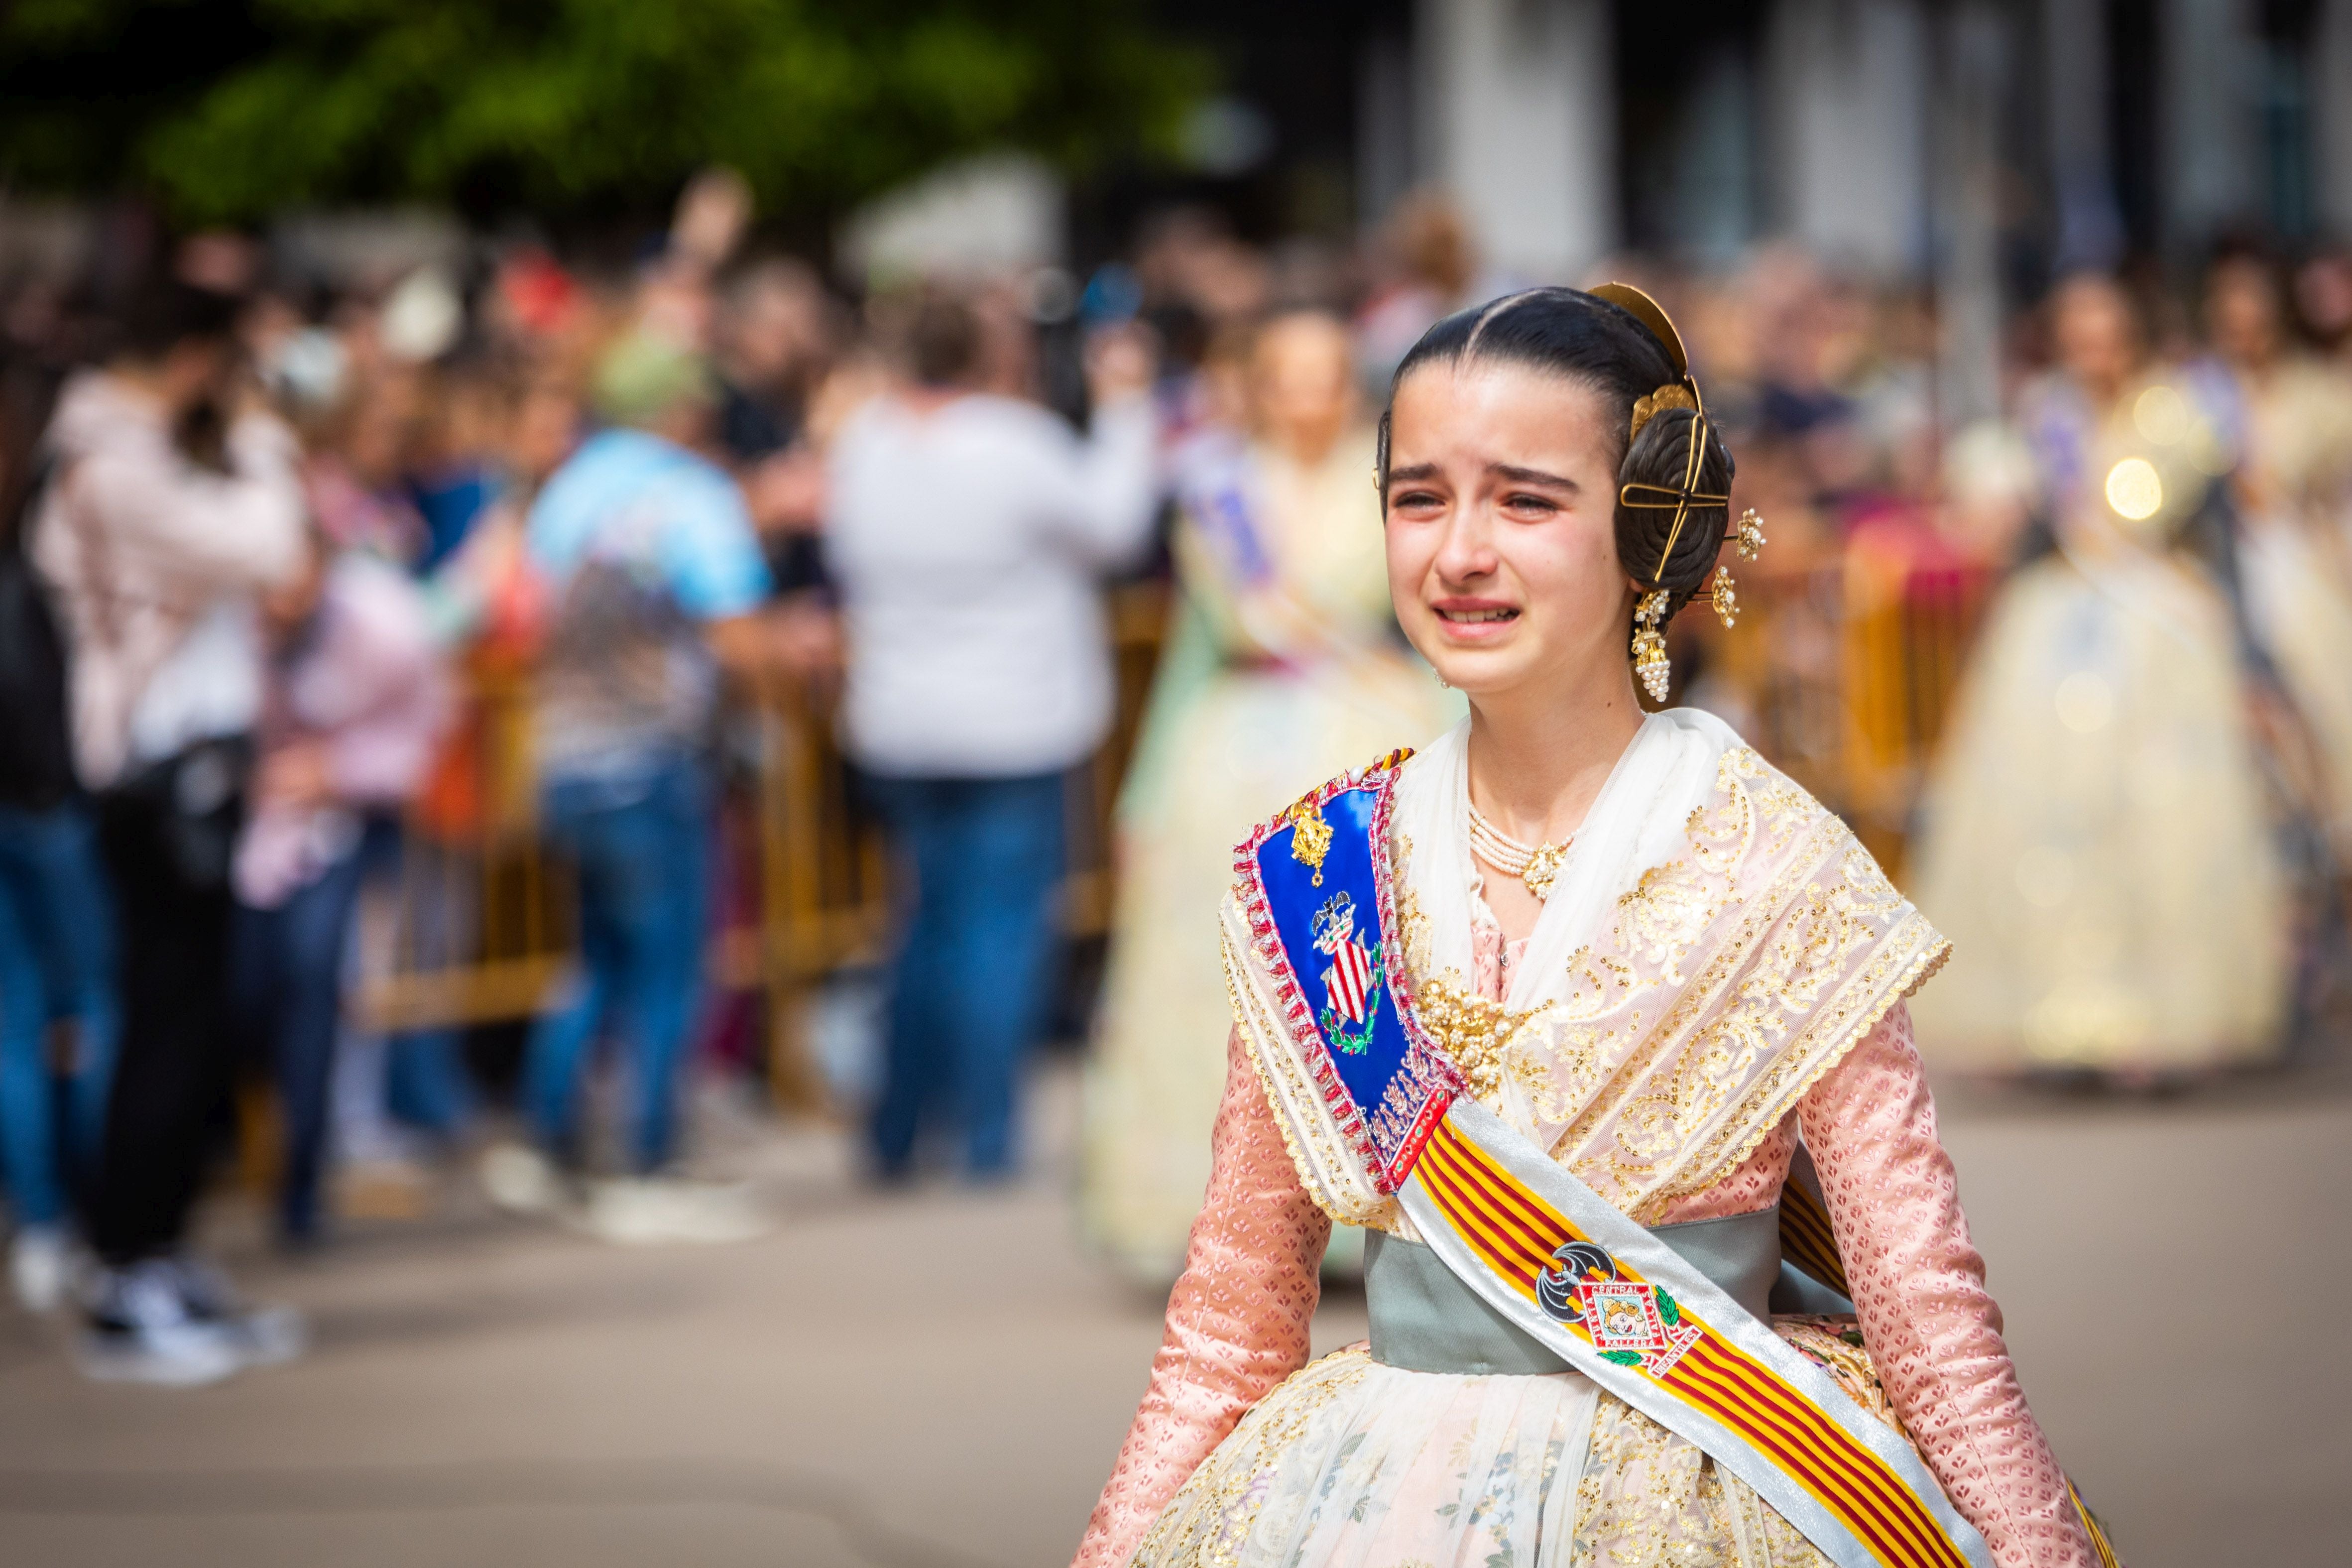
<point x="1237" y="1320"/>
<point x="1933" y="1332"/>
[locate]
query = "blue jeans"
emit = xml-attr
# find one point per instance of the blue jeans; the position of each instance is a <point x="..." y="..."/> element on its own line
<point x="424" y="1083"/>
<point x="976" y="958"/>
<point x="286" y="998"/>
<point x="640" y="847"/>
<point x="56" y="962"/>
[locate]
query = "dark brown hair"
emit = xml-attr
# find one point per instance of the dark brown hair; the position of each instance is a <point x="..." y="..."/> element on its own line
<point x="1568" y="332"/>
<point x="942" y="339"/>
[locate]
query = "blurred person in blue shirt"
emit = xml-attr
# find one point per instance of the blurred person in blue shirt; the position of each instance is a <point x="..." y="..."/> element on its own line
<point x="648" y="550"/>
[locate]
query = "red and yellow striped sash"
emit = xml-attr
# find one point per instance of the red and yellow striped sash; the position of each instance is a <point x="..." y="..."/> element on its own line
<point x="1807" y="1240"/>
<point x="1516" y="1233"/>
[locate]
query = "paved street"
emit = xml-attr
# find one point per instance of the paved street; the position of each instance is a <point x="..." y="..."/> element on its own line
<point x="941" y="1379"/>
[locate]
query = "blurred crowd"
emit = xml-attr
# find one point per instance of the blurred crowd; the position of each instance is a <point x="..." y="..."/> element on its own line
<point x="271" y="539"/>
<point x="275" y="540"/>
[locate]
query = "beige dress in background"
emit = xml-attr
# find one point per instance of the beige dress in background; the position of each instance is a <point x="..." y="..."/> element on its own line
<point x="1273" y="681"/>
<point x="2296" y="558"/>
<point x="2098" y="832"/>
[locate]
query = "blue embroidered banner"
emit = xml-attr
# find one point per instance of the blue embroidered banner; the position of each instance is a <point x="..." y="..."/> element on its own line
<point x="1322" y="874"/>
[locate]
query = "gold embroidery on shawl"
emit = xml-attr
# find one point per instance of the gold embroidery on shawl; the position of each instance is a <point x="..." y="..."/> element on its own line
<point x="1780" y="945"/>
<point x="1663" y="915"/>
<point x="1412" y="925"/>
<point x="1716" y="994"/>
<point x="1889" y="980"/>
<point x="1659" y="921"/>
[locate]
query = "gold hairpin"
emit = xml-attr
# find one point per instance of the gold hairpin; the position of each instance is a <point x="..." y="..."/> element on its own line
<point x="1681" y="499"/>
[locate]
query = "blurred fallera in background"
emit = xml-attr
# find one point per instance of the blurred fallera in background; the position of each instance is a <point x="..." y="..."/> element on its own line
<point x="621" y="795"/>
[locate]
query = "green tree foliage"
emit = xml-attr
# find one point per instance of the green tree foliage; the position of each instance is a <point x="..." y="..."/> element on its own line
<point x="232" y="110"/>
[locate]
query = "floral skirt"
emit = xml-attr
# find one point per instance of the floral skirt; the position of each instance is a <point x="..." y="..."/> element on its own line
<point x="1352" y="1463"/>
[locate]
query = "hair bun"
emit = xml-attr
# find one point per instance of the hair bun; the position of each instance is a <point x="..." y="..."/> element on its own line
<point x="1674" y="502"/>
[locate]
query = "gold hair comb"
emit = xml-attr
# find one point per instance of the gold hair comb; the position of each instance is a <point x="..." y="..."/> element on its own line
<point x="1673" y="395"/>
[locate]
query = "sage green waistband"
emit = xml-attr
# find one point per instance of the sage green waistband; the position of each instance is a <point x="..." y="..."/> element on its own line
<point x="1424" y="1319"/>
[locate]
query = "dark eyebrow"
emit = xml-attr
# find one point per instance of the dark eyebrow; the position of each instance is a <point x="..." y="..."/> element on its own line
<point x="1413" y="472"/>
<point x="1520" y="476"/>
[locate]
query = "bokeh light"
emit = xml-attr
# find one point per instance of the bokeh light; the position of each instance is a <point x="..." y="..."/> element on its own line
<point x="2135" y="489"/>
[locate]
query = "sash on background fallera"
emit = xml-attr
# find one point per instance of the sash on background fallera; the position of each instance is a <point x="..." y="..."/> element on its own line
<point x="1315" y="888"/>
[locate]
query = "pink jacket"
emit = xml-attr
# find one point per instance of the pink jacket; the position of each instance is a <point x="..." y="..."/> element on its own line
<point x="140" y="544"/>
<point x="367" y="683"/>
<point x="1237" y="1322"/>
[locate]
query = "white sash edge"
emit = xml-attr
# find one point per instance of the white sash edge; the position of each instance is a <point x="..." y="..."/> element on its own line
<point x="1660" y="1264"/>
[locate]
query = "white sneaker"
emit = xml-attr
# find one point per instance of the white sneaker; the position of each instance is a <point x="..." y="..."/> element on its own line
<point x="40" y="1263"/>
<point x="271" y="1336"/>
<point x="140" y="1330"/>
<point x="264" y="1336"/>
<point x="648" y="1211"/>
<point x="521" y="1179"/>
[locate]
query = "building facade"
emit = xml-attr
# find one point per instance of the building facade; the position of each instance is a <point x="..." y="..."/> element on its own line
<point x="1572" y="128"/>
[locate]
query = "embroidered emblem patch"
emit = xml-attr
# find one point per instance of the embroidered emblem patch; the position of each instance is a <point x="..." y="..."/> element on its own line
<point x="1636" y="1325"/>
<point x="1351" y="986"/>
<point x="1630" y="1322"/>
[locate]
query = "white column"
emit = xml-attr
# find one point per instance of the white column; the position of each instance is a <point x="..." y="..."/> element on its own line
<point x="1522" y="128"/>
<point x="1847" y="95"/>
<point x="2210" y="92"/>
<point x="1384" y="123"/>
<point x="1974" y="70"/>
<point x="2076" y="104"/>
<point x="2331" y="117"/>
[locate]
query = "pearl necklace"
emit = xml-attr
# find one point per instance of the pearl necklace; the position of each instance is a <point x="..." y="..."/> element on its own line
<point x="1537" y="865"/>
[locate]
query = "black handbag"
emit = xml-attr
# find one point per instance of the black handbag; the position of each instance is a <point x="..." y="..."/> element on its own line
<point x="194" y="804"/>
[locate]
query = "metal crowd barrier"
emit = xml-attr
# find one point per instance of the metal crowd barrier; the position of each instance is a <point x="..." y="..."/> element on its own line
<point x="481" y="929"/>
<point x="1842" y="674"/>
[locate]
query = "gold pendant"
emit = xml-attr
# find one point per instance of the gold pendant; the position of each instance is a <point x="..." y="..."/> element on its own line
<point x="1310" y="840"/>
<point x="1543" y="869"/>
<point x="1650" y="661"/>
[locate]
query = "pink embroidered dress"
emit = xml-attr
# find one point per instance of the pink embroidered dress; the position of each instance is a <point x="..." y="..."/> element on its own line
<point x="1241" y="1453"/>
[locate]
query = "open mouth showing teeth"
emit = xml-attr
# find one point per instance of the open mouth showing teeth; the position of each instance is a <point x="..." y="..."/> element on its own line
<point x="1476" y="617"/>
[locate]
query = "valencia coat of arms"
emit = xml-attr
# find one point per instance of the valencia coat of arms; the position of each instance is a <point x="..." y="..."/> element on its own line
<point x="1352" y="984"/>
